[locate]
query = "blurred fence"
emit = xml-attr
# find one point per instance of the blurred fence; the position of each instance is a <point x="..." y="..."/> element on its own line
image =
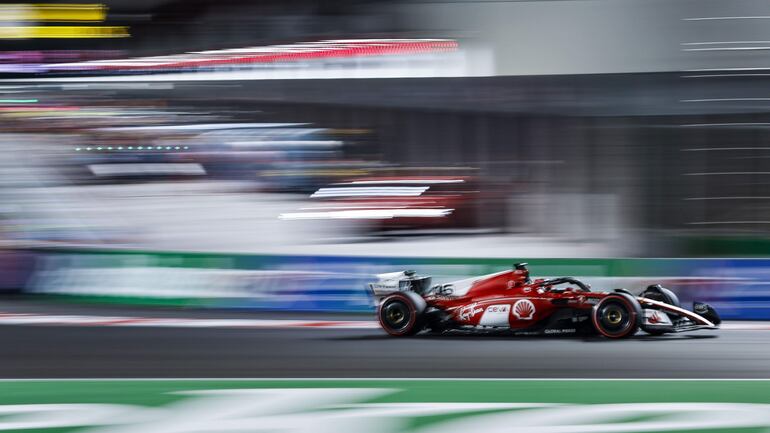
<point x="738" y="288"/>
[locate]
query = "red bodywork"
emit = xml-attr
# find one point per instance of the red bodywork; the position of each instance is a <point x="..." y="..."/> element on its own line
<point x="508" y="299"/>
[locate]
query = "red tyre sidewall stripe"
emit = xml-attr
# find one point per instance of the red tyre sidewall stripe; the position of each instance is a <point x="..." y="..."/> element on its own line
<point x="631" y="310"/>
<point x="412" y="315"/>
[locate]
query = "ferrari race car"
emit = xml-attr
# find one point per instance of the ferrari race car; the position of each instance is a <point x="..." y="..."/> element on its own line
<point x="510" y="301"/>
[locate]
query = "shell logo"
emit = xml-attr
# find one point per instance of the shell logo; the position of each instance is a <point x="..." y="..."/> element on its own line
<point x="524" y="309"/>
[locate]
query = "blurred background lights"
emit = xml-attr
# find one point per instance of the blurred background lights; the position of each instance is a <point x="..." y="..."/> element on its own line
<point x="18" y="101"/>
<point x="52" y="12"/>
<point x="17" y="16"/>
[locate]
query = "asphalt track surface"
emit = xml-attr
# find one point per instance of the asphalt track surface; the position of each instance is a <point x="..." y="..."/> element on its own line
<point x="125" y="352"/>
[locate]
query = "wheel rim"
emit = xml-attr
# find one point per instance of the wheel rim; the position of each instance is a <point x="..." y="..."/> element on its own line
<point x="614" y="317"/>
<point x="395" y="315"/>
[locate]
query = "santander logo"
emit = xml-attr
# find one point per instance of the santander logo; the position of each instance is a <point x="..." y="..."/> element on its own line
<point x="524" y="309"/>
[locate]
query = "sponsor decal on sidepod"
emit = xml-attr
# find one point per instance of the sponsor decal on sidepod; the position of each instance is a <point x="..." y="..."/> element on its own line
<point x="524" y="309"/>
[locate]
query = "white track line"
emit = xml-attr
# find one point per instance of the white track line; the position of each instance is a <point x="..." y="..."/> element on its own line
<point x="746" y="326"/>
<point x="79" y="320"/>
<point x="170" y="322"/>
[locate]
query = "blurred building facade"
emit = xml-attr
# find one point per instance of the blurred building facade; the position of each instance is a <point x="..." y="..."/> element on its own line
<point x="640" y="124"/>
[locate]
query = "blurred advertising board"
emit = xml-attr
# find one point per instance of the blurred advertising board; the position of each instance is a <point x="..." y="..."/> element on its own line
<point x="16" y="267"/>
<point x="738" y="288"/>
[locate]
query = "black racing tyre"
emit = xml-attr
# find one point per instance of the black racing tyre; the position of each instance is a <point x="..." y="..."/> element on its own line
<point x="401" y="314"/>
<point x="617" y="316"/>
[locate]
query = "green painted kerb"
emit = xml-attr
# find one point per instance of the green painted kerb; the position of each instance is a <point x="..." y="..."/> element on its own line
<point x="151" y="392"/>
<point x="182" y="398"/>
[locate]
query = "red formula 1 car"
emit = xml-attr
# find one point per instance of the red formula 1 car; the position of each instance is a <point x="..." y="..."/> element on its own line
<point x="511" y="301"/>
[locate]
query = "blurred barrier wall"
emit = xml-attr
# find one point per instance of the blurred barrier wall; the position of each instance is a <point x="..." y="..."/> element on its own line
<point x="738" y="288"/>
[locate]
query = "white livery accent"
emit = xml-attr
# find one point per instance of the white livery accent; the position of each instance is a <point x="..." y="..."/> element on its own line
<point x="462" y="287"/>
<point x="696" y="318"/>
<point x="656" y="318"/>
<point x="496" y="315"/>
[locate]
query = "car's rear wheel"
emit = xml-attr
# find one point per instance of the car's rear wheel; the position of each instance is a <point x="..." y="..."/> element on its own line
<point x="617" y="316"/>
<point x="400" y="314"/>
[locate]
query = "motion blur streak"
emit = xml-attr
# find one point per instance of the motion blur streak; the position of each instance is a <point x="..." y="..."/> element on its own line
<point x="62" y="32"/>
<point x="269" y="54"/>
<point x="52" y="12"/>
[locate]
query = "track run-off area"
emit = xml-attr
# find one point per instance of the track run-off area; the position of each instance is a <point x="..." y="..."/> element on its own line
<point x="75" y="368"/>
<point x="193" y="322"/>
<point x="55" y="340"/>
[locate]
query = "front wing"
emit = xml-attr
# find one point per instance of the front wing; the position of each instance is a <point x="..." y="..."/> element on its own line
<point x="663" y="317"/>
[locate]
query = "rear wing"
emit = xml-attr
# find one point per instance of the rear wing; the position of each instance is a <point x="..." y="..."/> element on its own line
<point x="399" y="282"/>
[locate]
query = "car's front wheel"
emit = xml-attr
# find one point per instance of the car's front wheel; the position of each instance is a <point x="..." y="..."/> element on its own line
<point x="617" y="316"/>
<point x="401" y="314"/>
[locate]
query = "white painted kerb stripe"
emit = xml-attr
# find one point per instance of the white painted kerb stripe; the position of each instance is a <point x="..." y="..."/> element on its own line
<point x="79" y="320"/>
<point x="168" y="322"/>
